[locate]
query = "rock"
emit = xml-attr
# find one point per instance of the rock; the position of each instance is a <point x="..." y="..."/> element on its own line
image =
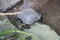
<point x="36" y="4"/>
<point x="44" y="32"/>
<point x="29" y="16"/>
<point x="51" y="15"/>
<point x="40" y="3"/>
<point x="27" y="4"/>
<point x="6" y="4"/>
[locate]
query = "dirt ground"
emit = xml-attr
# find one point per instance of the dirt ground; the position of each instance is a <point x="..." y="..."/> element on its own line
<point x="50" y="11"/>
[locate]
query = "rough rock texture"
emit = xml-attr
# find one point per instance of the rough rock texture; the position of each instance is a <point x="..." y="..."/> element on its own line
<point x="40" y="3"/>
<point x="36" y="4"/>
<point x="51" y="15"/>
<point x="6" y="4"/>
<point x="44" y="32"/>
<point x="27" y="4"/>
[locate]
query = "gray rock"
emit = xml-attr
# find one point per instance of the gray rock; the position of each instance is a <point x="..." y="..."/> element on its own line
<point x="29" y="16"/>
<point x="6" y="4"/>
<point x="27" y="4"/>
<point x="43" y="31"/>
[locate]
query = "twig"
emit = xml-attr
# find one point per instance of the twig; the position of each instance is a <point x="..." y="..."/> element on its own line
<point x="15" y="13"/>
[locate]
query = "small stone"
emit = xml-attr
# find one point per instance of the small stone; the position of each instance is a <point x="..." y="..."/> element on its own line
<point x="29" y="16"/>
<point x="15" y="8"/>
